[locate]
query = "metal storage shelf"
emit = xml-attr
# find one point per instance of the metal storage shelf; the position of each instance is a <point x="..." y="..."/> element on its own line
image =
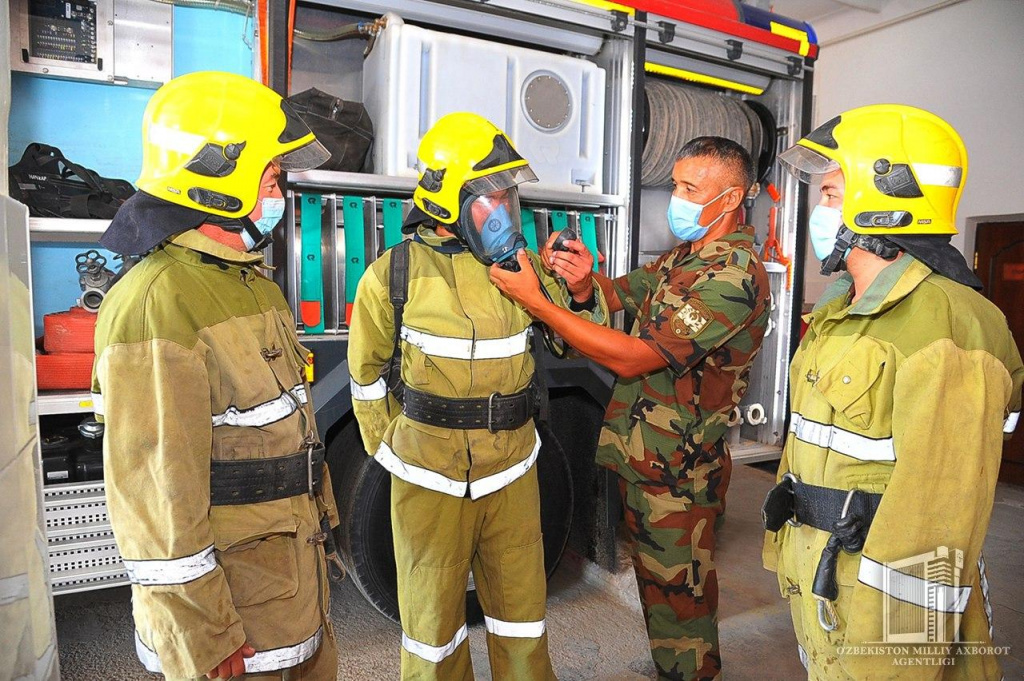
<point x="64" y="402"/>
<point x="87" y="579"/>
<point x="83" y="553"/>
<point x="66" y="229"/>
<point x="334" y="181"/>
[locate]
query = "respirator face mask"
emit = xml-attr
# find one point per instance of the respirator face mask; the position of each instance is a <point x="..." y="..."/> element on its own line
<point x="491" y="225"/>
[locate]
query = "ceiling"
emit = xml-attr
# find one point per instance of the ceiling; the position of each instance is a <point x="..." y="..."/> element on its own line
<point x="836" y="21"/>
<point x="812" y="10"/>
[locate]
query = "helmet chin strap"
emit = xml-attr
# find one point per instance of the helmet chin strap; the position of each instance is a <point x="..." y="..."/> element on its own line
<point x="243" y="225"/>
<point x="259" y="239"/>
<point x="836" y="260"/>
<point x="847" y="239"/>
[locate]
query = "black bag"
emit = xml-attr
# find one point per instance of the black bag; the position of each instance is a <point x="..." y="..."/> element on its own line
<point x="343" y="127"/>
<point x="54" y="187"/>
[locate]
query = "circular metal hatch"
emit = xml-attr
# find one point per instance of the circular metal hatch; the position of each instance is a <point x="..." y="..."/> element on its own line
<point x="547" y="101"/>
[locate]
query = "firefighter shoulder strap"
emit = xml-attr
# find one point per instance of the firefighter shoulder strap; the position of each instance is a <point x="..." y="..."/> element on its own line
<point x="398" y="287"/>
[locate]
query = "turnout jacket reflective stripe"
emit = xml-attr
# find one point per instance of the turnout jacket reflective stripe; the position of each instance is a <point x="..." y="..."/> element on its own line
<point x="906" y="392"/>
<point x="461" y="337"/>
<point x="197" y="360"/>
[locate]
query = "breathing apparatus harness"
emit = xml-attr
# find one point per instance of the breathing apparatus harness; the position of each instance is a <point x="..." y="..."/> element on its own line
<point x="495" y="412"/>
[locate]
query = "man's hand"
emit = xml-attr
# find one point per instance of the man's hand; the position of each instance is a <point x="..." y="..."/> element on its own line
<point x="575" y="266"/>
<point x="522" y="286"/>
<point x="234" y="665"/>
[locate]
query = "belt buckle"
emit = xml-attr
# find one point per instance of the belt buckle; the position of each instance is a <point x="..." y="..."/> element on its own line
<point x="792" y="522"/>
<point x="490" y="411"/>
<point x="310" y="445"/>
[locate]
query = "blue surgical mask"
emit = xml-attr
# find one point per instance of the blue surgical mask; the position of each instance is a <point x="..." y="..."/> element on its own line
<point x="683" y="218"/>
<point x="272" y="210"/>
<point x="823" y="226"/>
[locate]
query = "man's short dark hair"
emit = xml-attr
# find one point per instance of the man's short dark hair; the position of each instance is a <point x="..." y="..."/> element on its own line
<point x="725" y="151"/>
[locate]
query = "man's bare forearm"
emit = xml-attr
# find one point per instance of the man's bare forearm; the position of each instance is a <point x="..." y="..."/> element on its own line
<point x="626" y="355"/>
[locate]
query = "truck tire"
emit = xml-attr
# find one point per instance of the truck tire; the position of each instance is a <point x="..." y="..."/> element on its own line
<point x="362" y="489"/>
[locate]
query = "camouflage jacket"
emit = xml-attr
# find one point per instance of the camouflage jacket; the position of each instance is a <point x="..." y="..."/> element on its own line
<point x="705" y="313"/>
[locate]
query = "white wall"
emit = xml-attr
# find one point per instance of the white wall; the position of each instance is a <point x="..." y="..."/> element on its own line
<point x="963" y="62"/>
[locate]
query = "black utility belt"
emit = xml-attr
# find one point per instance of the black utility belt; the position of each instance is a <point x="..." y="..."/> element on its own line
<point x="494" y="413"/>
<point x="251" y="481"/>
<point x="822" y="507"/>
<point x="845" y="514"/>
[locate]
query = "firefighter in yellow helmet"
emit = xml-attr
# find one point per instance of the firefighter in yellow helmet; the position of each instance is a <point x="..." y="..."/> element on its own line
<point x="461" y="447"/>
<point x="902" y="391"/>
<point x="216" y="487"/>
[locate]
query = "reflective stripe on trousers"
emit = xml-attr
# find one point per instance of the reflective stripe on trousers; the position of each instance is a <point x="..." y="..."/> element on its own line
<point x="435" y="653"/>
<point x="428" y="479"/>
<point x="515" y="629"/>
<point x="494" y="626"/>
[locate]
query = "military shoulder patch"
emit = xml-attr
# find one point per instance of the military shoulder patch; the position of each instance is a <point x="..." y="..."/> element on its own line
<point x="739" y="258"/>
<point x="692" y="318"/>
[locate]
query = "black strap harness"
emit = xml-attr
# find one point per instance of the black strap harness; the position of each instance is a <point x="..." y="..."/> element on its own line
<point x="496" y="412"/>
<point x="845" y="514"/>
<point x="398" y="291"/>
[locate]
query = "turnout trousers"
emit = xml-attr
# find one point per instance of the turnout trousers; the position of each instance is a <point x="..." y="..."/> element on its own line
<point x="672" y="531"/>
<point x="439" y="538"/>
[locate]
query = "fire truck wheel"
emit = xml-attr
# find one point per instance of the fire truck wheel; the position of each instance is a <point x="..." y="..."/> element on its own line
<point x="363" y="491"/>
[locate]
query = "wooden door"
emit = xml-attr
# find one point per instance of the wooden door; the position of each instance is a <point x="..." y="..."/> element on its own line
<point x="999" y="263"/>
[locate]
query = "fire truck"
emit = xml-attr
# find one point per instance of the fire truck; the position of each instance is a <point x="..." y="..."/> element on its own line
<point x="598" y="96"/>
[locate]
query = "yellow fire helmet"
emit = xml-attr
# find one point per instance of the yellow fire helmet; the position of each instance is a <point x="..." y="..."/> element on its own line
<point x="465" y="151"/>
<point x="208" y="136"/>
<point x="904" y="168"/>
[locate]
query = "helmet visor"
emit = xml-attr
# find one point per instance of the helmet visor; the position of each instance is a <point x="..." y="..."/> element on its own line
<point x="496" y="182"/>
<point x="806" y="164"/>
<point x="306" y="157"/>
<point x="492" y="226"/>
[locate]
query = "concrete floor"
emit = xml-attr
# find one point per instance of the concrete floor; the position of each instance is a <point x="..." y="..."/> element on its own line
<point x="594" y="620"/>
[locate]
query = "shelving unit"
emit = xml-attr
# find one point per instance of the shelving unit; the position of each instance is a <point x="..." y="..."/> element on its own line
<point x="65" y="229"/>
<point x="79" y="538"/>
<point x="53" y="402"/>
<point x="334" y="181"/>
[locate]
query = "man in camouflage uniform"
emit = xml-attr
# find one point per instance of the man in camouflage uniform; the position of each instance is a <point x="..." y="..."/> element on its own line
<point x="701" y="310"/>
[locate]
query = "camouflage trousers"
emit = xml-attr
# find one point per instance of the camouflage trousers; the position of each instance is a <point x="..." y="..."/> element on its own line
<point x="672" y="533"/>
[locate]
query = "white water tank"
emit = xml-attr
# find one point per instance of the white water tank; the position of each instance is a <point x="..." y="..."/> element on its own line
<point x="550" y="106"/>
